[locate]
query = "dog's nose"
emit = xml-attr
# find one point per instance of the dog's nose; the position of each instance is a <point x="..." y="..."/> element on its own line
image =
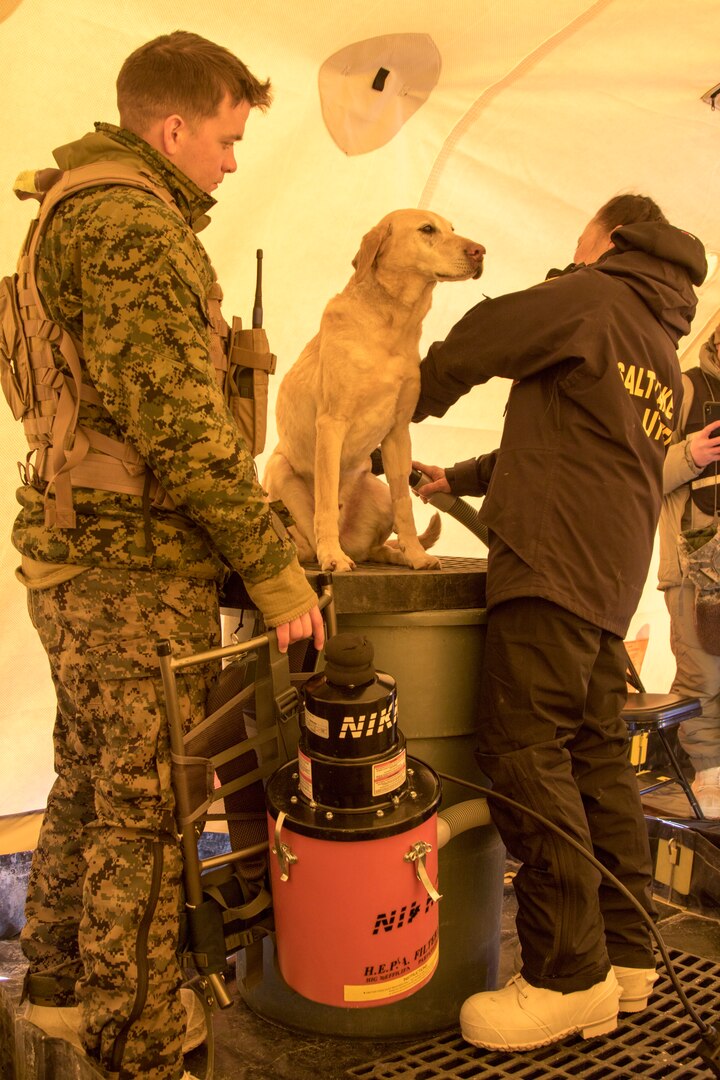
<point x="476" y="252"/>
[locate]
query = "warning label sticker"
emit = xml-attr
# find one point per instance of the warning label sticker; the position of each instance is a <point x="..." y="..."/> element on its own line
<point x="305" y="775"/>
<point x="317" y="724"/>
<point x="389" y="775"/>
<point x="392" y="987"/>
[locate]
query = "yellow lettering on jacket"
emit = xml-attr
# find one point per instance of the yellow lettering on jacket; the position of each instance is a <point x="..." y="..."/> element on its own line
<point x="643" y="383"/>
<point x="655" y="427"/>
<point x="638" y="381"/>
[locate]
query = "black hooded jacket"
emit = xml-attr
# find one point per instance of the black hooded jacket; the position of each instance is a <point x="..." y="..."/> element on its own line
<point x="574" y="492"/>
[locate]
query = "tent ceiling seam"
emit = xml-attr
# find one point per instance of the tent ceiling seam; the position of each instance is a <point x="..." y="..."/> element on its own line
<point x="526" y="64"/>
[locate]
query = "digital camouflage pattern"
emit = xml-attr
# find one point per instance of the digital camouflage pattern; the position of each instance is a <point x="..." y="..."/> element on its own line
<point x="104" y="892"/>
<point x="127" y="276"/>
<point x="699" y="554"/>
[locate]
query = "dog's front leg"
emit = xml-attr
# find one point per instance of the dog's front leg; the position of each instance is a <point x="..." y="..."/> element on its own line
<point x="397" y="462"/>
<point x="330" y="434"/>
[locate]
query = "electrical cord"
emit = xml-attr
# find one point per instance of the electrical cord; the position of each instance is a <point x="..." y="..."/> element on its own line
<point x="709" y="1047"/>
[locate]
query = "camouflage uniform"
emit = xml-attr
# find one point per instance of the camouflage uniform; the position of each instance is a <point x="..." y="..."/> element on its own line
<point x="102" y="907"/>
<point x="127" y="277"/>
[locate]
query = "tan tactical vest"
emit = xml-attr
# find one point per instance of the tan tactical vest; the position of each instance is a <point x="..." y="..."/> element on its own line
<point x="66" y="453"/>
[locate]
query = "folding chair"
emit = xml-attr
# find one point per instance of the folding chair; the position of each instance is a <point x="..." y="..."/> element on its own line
<point x="647" y="714"/>
<point x="250" y="730"/>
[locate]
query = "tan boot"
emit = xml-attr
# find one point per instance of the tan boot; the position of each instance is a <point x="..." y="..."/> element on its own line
<point x="64" y="1022"/>
<point x="522" y="1017"/>
<point x="196" y="1030"/>
<point x="636" y="986"/>
<point x="706" y="788"/>
<point x="59" y="1022"/>
<point x="635" y="983"/>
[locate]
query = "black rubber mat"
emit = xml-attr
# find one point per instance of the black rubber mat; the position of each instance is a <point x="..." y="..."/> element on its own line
<point x="659" y="1043"/>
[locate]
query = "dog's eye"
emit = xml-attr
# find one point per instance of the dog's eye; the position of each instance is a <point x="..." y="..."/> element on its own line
<point x="429" y="229"/>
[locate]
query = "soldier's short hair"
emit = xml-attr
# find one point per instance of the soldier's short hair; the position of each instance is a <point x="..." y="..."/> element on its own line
<point x="186" y="74"/>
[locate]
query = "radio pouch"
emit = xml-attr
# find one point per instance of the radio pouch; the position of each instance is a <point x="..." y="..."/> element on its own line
<point x="250" y="363"/>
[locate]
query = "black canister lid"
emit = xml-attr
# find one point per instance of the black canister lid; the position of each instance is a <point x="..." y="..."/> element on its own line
<point x="350" y="708"/>
<point x="349" y="660"/>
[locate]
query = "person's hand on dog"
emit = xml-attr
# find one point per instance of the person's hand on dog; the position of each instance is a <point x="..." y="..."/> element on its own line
<point x="437" y="481"/>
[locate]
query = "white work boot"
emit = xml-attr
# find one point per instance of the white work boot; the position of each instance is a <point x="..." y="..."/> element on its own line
<point x="522" y="1017"/>
<point x="706" y="788"/>
<point x="196" y="1030"/>
<point x="636" y="986"/>
<point x="59" y="1022"/>
<point x="635" y="983"/>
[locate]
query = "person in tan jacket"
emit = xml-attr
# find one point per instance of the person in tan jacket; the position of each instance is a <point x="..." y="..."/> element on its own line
<point x="691" y="498"/>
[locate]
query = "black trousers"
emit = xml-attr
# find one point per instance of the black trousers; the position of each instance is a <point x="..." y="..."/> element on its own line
<point x="552" y="738"/>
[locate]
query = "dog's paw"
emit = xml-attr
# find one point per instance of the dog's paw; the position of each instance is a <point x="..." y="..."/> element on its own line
<point x="336" y="562"/>
<point x="426" y="562"/>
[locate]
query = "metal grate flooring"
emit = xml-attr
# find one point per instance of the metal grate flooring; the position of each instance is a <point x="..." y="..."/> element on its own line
<point x="659" y="1043"/>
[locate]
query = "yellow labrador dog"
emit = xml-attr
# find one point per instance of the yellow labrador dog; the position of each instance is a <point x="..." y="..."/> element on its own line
<point x="355" y="387"/>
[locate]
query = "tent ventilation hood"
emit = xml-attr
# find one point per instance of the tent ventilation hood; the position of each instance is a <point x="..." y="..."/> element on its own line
<point x="709" y="97"/>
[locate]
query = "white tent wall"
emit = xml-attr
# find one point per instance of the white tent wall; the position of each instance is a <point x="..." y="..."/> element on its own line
<point x="541" y="113"/>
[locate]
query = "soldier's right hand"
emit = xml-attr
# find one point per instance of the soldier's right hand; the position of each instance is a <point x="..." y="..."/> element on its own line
<point x="308" y="625"/>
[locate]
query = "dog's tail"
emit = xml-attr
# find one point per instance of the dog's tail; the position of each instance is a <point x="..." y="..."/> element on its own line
<point x="432" y="533"/>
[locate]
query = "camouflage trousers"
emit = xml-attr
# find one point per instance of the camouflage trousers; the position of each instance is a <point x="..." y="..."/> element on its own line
<point x="105" y="887"/>
<point x="697" y="675"/>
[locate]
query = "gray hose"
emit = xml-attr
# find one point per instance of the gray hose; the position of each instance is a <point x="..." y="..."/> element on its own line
<point x="462" y="511"/>
<point x="459" y="818"/>
<point x="467" y="515"/>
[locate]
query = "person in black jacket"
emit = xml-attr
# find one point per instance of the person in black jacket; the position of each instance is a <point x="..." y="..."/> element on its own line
<point x="572" y="499"/>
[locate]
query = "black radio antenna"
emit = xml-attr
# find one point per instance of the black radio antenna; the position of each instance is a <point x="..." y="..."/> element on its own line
<point x="257" y="315"/>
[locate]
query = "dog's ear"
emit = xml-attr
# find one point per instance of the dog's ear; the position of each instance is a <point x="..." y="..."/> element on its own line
<point x="370" y="247"/>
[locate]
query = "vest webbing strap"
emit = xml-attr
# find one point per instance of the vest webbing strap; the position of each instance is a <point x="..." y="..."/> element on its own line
<point x="68" y="454"/>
